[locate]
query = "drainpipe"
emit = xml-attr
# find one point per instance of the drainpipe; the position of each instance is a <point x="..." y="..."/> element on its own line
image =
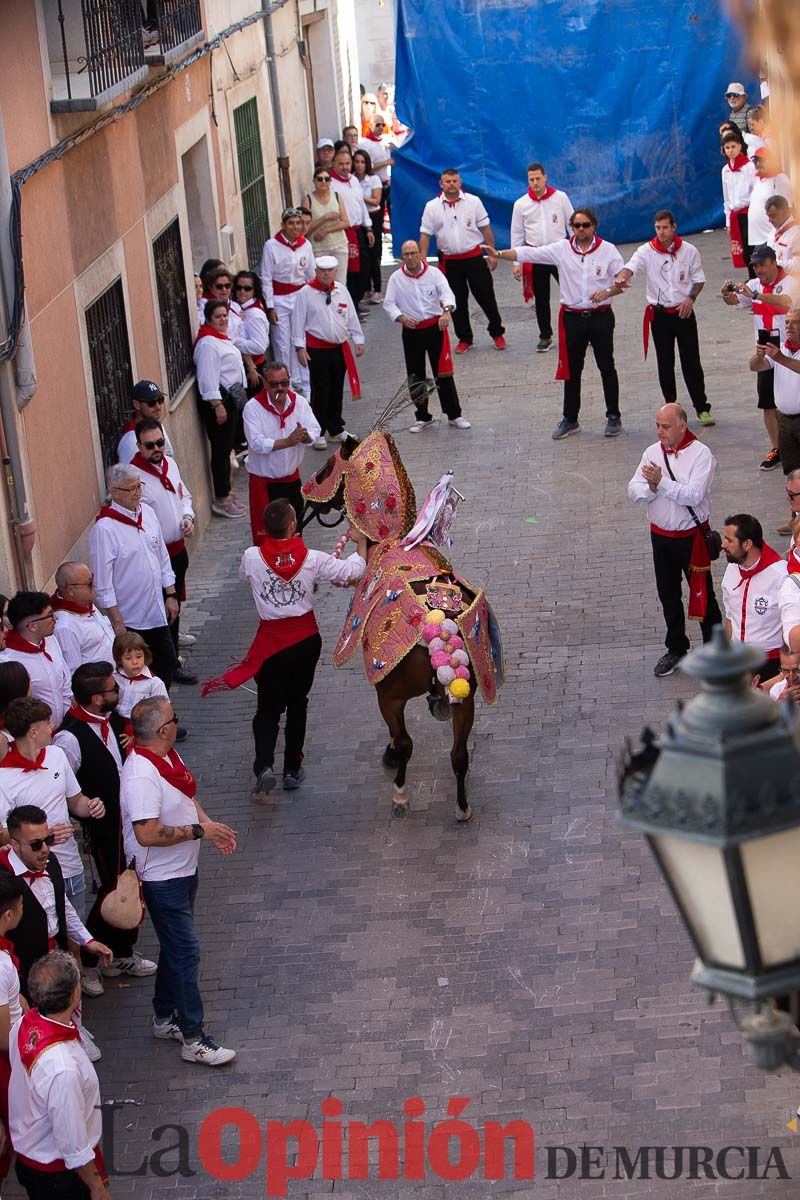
<point x="277" y="113"/>
<point x="23" y="528"/>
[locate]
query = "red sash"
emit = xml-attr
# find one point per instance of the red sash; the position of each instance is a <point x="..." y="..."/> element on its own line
<point x="172" y="769"/>
<point x="649" y="313"/>
<point x="699" y="567"/>
<point x="259" y="497"/>
<point x="58" y="1164"/>
<point x="528" y="291"/>
<point x="353" y="248"/>
<point x="735" y="235"/>
<point x="15" y="641"/>
<point x="129" y="428"/>
<point x="476" y="252"/>
<point x="145" y="465"/>
<point x="285" y="289"/>
<point x="271" y="638"/>
<point x="444" y="367"/>
<point x="562" y="369"/>
<point x="315" y="343"/>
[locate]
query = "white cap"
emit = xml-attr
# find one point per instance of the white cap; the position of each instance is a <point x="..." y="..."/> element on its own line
<point x="738" y="88"/>
<point x="324" y="142"/>
<point x="326" y="263"/>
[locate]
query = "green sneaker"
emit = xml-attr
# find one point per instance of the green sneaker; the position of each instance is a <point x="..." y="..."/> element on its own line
<point x="705" y="418"/>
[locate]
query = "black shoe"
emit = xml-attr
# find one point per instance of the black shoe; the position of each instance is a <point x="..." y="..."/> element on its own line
<point x="666" y="664"/>
<point x="293" y="779"/>
<point x="182" y="734"/>
<point x="184" y="676"/>
<point x="266" y="780"/>
<point x="564" y="428"/>
<point x="771" y="461"/>
<point x="544" y="345"/>
<point x="613" y="427"/>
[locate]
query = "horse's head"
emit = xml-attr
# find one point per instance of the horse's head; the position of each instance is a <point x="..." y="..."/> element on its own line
<point x="368" y="481"/>
<point x="324" y="491"/>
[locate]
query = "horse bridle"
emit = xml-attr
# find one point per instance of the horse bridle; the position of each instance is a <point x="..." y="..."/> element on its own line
<point x="313" y="512"/>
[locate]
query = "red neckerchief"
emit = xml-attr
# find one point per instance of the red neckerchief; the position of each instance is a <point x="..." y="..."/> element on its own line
<point x="452" y="203"/>
<point x="263" y="399"/>
<point x="785" y="227"/>
<point x="548" y="191"/>
<point x="770" y="287"/>
<point x="114" y="515"/>
<point x="172" y="769"/>
<point x="373" y="137"/>
<point x="37" y="1034"/>
<point x="80" y="714"/>
<point x="671" y="250"/>
<point x="284" y="556"/>
<point x="685" y="441"/>
<point x="144" y="465"/>
<point x="13" y="758"/>
<point x="27" y="874"/>
<point x="252" y="304"/>
<point x="210" y="331"/>
<point x="792" y="562"/>
<point x="61" y="604"/>
<point x="737" y="163"/>
<point x="418" y="275"/>
<point x="340" y="178"/>
<point x="596" y="242"/>
<point x="137" y="678"/>
<point x="281" y="237"/>
<point x="315" y="283"/>
<point x="792" y="347"/>
<point x="768" y="557"/>
<point x="15" y="641"/>
<point x="129" y="428"/>
<point x="8" y="946"/>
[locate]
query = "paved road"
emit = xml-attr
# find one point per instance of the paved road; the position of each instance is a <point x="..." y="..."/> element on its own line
<point x="531" y="961"/>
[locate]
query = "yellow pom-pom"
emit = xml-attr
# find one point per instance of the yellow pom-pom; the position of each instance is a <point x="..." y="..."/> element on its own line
<point x="459" y="688"/>
<point x="436" y="617"/>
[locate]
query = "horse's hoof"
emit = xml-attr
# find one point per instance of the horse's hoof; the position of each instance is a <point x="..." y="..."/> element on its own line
<point x="464" y="816"/>
<point x="399" y="810"/>
<point x="438" y="707"/>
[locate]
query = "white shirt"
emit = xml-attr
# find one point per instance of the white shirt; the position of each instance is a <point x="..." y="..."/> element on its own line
<point x="218" y="362"/>
<point x="777" y="689"/>
<point x="9" y="987"/>
<point x="737" y="187"/>
<point x="131" y="568"/>
<point x="262" y="429"/>
<point x="789" y="286"/>
<point x="670" y="277"/>
<point x="751" y="605"/>
<point x="84" y="637"/>
<point x="275" y="598"/>
<point x="353" y="199"/>
<point x="538" y="222"/>
<point x="144" y="795"/>
<point x="286" y="264"/>
<point x="379" y="155"/>
<point x="419" y="296"/>
<point x="66" y="741"/>
<point x="456" y="227"/>
<point x="785" y="242"/>
<point x="45" y="895"/>
<point x="368" y="185"/>
<point x="789" y="604"/>
<point x="55" y="1110"/>
<point x="127" y="446"/>
<point x="787" y="387"/>
<point x="170" y="507"/>
<point x="253" y="337"/>
<point x="758" y="226"/>
<point x="335" y="322"/>
<point x="693" y="468"/>
<point x="51" y="680"/>
<point x="578" y="274"/>
<point x="131" y="691"/>
<point x="48" y="789"/>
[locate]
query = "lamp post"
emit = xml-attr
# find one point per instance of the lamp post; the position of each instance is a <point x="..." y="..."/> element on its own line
<point x="718" y="800"/>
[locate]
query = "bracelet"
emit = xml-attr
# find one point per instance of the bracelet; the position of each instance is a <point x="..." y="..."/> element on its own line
<point x="171" y="595"/>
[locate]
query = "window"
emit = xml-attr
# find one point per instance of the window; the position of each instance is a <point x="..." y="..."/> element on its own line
<point x="178" y="28"/>
<point x="173" y="306"/>
<point x="251" y="180"/>
<point x="96" y="51"/>
<point x="110" y="356"/>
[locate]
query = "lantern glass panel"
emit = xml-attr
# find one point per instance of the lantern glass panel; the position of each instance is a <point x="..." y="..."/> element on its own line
<point x="699" y="878"/>
<point x="772" y="870"/>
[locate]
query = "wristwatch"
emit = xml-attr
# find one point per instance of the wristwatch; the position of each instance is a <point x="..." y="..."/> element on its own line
<point x="197" y="832"/>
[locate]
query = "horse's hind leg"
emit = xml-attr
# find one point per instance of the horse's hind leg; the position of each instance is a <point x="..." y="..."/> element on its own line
<point x="463" y="718"/>
<point x="393" y="712"/>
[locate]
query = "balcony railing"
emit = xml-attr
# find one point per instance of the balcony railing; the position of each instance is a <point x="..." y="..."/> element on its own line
<point x="179" y="29"/>
<point x="96" y="51"/>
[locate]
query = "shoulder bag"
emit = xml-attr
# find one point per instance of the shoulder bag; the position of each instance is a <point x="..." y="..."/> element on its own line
<point x="711" y="537"/>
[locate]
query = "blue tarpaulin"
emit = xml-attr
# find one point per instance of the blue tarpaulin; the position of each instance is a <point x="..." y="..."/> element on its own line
<point x="621" y="100"/>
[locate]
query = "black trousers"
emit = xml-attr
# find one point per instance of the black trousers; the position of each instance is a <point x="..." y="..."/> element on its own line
<point x="180" y="565"/>
<point x="467" y="275"/>
<point x="284" y="682"/>
<point x="668" y="329"/>
<point x="671" y="562"/>
<point x="595" y="329"/>
<point x="55" y="1185"/>
<point x="542" y="274"/>
<point x="327" y="371"/>
<point x="293" y="492"/>
<point x="765" y="389"/>
<point x="221" y="439"/>
<point x="165" y="658"/>
<point x="376" y="251"/>
<point x="789" y="441"/>
<point x="358" y="281"/>
<point x="417" y="343"/>
<point x="105" y="843"/>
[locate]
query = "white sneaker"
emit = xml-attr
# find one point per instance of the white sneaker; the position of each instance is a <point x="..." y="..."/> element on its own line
<point x="204" y="1050"/>
<point x="135" y="965"/>
<point x="460" y="423"/>
<point x="93" y="1051"/>
<point x="227" y="508"/>
<point x="340" y="437"/>
<point x="319" y="444"/>
<point x="92" y="982"/>
<point x="185" y="640"/>
<point x="418" y="426"/>
<point x="168" y="1030"/>
<point x="376" y="298"/>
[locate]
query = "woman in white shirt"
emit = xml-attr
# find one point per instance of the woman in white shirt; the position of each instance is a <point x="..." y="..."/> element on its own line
<point x="221" y="385"/>
<point x="253" y="336"/>
<point x="372" y="188"/>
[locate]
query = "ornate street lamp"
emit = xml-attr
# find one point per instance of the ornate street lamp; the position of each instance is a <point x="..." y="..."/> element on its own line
<point x="718" y="800"/>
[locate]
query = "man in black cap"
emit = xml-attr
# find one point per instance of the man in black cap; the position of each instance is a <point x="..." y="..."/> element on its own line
<point x="148" y="401"/>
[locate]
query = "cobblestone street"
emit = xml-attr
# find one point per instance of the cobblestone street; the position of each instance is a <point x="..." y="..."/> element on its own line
<point x="531" y="961"/>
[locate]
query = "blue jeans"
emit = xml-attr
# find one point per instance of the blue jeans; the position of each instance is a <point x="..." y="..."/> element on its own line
<point x="170" y="903"/>
<point x="75" y="888"/>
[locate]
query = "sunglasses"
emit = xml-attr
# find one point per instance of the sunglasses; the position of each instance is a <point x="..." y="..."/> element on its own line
<point x="51" y="616"/>
<point x="244" y="287"/>
<point x="37" y="843"/>
<point x="225" y="287"/>
<point x="581" y="224"/>
<point x="153" y="403"/>
<point x="322" y="178"/>
<point x="172" y="721"/>
<point x="792" y="496"/>
<point x="156" y="445"/>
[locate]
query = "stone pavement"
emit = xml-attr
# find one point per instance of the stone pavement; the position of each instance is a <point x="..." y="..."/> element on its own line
<point x="531" y="961"/>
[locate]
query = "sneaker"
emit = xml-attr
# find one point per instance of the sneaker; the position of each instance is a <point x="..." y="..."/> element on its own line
<point x="705" y="418"/>
<point x="459" y="423"/>
<point x="564" y="428"/>
<point x="93" y="1051"/>
<point x="168" y="1030"/>
<point x="135" y="965"/>
<point x="376" y="298"/>
<point x="92" y="982"/>
<point x="463" y="347"/>
<point x="772" y="460"/>
<point x="666" y="664"/>
<point x="418" y="426"/>
<point x="340" y="437"/>
<point x="224" y="508"/>
<point x="265" y="781"/>
<point x="544" y="345"/>
<point x="204" y="1050"/>
<point x="293" y="779"/>
<point x="236" y="504"/>
<point x="613" y="427"/>
<point x="500" y="343"/>
<point x="185" y="640"/>
<point x="319" y="444"/>
<point x="183" y="675"/>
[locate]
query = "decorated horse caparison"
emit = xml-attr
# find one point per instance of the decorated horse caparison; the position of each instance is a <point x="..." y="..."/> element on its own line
<point x="422" y="628"/>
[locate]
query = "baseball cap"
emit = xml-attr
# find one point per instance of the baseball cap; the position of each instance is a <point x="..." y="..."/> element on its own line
<point x="324" y="142"/>
<point x="762" y="254"/>
<point x="326" y="262"/>
<point x="735" y="89"/>
<point x="148" y="391"/>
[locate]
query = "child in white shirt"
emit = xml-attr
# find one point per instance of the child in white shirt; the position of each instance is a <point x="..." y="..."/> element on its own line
<point x="136" y="681"/>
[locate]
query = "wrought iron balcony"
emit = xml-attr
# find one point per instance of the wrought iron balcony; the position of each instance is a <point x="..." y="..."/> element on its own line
<point x="96" y="51"/>
<point x="178" y="29"/>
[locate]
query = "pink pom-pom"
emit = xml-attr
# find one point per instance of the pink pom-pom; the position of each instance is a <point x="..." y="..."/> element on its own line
<point x="444" y="634"/>
<point x="430" y="632"/>
<point x="455" y="642"/>
<point x="449" y="625"/>
<point x="445" y="675"/>
<point x="462" y="673"/>
<point x="461" y="657"/>
<point x="436" y="644"/>
<point x="440" y="660"/>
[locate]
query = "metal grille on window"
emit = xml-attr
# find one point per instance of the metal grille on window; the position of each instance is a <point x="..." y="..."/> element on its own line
<point x="178" y="22"/>
<point x="114" y="48"/>
<point x="251" y="180"/>
<point x="173" y="306"/>
<point x="110" y="356"/>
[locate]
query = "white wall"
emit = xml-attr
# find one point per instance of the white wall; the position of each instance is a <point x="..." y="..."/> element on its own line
<point x="375" y="33"/>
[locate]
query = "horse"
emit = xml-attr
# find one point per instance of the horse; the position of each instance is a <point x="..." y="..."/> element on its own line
<point x="367" y="482"/>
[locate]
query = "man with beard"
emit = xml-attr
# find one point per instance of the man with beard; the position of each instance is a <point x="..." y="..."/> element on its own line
<point x="750" y="589"/>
